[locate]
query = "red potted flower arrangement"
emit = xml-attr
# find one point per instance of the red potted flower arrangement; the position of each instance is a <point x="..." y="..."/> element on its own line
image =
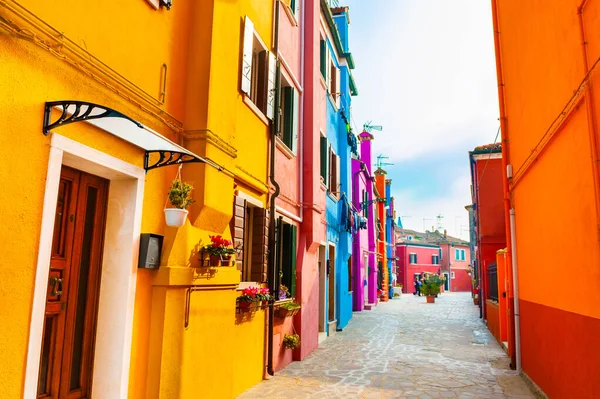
<point x="219" y="251"/>
<point x="248" y="296"/>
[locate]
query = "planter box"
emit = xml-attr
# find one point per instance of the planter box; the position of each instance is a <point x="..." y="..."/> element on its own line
<point x="283" y="312"/>
<point x="430" y="299"/>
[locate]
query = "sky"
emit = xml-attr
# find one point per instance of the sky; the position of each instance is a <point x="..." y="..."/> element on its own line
<point x="425" y="71"/>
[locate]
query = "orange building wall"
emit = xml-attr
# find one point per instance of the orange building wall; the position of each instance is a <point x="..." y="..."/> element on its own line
<point x="493" y="320"/>
<point x="555" y="192"/>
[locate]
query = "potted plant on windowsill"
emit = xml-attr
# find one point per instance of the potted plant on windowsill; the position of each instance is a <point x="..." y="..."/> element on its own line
<point x="249" y="295"/>
<point x="284" y="292"/>
<point x="291" y="341"/>
<point x="287" y="309"/>
<point x="179" y="197"/>
<point x="219" y="251"/>
<point x="263" y="296"/>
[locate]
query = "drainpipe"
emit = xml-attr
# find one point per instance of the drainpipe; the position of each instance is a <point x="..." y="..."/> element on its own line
<point x="271" y="269"/>
<point x="508" y="220"/>
<point x="516" y="291"/>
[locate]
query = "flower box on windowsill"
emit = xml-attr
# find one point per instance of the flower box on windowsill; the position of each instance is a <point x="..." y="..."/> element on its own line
<point x="287" y="309"/>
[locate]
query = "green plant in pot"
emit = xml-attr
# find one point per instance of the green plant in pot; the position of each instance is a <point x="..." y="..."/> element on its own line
<point x="180" y="199"/>
<point x="291" y="341"/>
<point x="431" y="287"/>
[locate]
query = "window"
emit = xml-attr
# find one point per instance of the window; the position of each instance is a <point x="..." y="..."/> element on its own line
<point x="334" y="83"/>
<point x="295" y="7"/>
<point x="435" y="259"/>
<point x="288" y="112"/>
<point x="334" y="173"/>
<point x="365" y="202"/>
<point x="463" y="254"/>
<point x="460" y="254"/>
<point x="350" y="274"/>
<point x="324" y="159"/>
<point x="323" y="59"/>
<point x="413" y="259"/>
<point x="287" y="237"/>
<point x="249" y="231"/>
<point x="451" y="274"/>
<point x="259" y="71"/>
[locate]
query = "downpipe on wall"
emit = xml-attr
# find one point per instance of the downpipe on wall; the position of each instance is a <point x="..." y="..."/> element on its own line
<point x="515" y="269"/>
<point x="271" y="269"/>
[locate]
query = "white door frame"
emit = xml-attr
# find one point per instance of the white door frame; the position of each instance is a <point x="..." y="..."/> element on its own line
<point x="119" y="265"/>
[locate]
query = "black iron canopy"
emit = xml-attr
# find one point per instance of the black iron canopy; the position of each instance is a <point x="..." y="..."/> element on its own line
<point x="160" y="151"/>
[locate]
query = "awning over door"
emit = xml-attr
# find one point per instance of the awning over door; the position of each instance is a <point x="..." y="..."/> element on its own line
<point x="160" y="151"/>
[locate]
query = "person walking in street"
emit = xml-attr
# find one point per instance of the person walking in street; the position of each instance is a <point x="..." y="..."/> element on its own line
<point x="417" y="287"/>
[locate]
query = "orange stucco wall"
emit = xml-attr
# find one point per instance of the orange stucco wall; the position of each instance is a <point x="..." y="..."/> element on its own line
<point x="554" y="190"/>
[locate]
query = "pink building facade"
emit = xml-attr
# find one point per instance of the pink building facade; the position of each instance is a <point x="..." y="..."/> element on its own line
<point x="414" y="260"/>
<point x="365" y="271"/>
<point x="456" y="265"/>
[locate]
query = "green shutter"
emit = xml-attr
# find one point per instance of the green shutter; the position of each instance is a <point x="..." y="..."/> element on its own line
<point x="324" y="155"/>
<point x="293" y="6"/>
<point x="324" y="59"/>
<point x="295" y="121"/>
<point x="294" y="236"/>
<point x="288" y="258"/>
<point x="288" y="116"/>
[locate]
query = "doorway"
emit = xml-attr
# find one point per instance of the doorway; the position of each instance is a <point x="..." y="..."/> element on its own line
<point x="322" y="262"/>
<point x="73" y="286"/>
<point x="446" y="282"/>
<point x="331" y="284"/>
<point x="365" y="276"/>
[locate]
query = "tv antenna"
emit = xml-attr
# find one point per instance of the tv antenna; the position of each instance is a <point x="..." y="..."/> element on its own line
<point x="367" y="127"/>
<point x="380" y="162"/>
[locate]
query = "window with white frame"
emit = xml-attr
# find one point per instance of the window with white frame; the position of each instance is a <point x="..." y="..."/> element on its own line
<point x="460" y="254"/>
<point x="412" y="258"/>
<point x="435" y="259"/>
<point x="334" y="173"/>
<point x="288" y="113"/>
<point x="259" y="71"/>
<point x="452" y="275"/>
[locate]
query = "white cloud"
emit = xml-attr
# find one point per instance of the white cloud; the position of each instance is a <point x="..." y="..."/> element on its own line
<point x="426" y="72"/>
<point x="420" y="214"/>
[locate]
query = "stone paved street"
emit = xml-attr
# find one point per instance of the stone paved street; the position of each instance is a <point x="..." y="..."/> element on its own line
<point x="403" y="349"/>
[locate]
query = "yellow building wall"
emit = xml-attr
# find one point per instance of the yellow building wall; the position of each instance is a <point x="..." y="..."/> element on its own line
<point x="219" y="351"/>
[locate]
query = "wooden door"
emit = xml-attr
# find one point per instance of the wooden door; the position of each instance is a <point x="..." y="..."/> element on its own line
<point x="73" y="285"/>
<point x="331" y="276"/>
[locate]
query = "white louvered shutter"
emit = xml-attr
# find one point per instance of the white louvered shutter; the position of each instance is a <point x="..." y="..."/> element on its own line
<point x="246" y="81"/>
<point x="295" y="121"/>
<point x="272" y="76"/>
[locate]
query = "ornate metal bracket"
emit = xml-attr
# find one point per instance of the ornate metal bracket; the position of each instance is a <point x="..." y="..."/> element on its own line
<point x="83" y="111"/>
<point x="166" y="158"/>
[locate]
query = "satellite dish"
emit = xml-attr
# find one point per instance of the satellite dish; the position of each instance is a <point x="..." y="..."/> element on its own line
<point x="410" y="238"/>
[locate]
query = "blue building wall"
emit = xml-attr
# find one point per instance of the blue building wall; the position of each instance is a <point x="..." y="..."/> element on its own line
<point x="389" y="235"/>
<point x="337" y="208"/>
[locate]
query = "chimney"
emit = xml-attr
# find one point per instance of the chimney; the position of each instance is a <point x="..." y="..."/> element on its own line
<point x="445" y="233"/>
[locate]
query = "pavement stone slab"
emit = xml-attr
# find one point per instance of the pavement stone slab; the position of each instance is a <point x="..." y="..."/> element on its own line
<point x="404" y="348"/>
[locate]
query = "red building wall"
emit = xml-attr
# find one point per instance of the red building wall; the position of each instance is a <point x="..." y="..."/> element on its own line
<point x="424" y="263"/>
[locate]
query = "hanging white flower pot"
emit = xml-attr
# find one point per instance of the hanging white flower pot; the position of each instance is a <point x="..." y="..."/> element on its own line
<point x="175" y="217"/>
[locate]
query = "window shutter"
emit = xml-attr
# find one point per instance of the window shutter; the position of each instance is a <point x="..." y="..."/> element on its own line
<point x="246" y="82"/>
<point x="293" y="238"/>
<point x="337" y="187"/>
<point x="324" y="59"/>
<point x="337" y="87"/>
<point x="271" y="86"/>
<point x="288" y="115"/>
<point x="330" y="168"/>
<point x="260" y="245"/>
<point x="295" y="121"/>
<point x="324" y="159"/>
<point x="297" y="9"/>
<point x="238" y="226"/>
